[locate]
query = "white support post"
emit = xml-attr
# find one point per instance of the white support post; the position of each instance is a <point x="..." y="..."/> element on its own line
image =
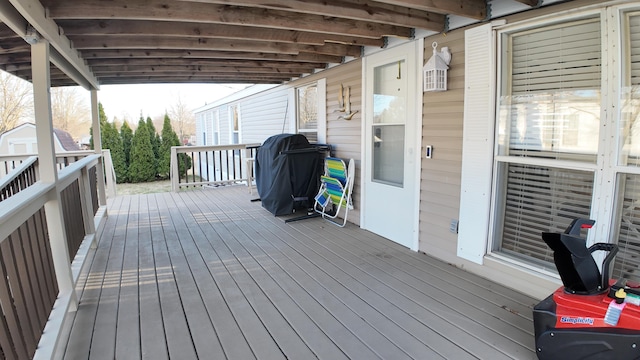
<point x="49" y="174"/>
<point x="174" y="174"/>
<point x="97" y="146"/>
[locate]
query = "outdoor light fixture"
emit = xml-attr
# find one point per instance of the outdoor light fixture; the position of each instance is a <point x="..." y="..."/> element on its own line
<point x="31" y="36"/>
<point x="435" y="70"/>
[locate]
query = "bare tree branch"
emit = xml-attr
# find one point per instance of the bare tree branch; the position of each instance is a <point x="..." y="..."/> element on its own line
<point x="16" y="102"/>
<point x="69" y="111"/>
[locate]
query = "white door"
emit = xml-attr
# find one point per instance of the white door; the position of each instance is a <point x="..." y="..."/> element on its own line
<point x="391" y="142"/>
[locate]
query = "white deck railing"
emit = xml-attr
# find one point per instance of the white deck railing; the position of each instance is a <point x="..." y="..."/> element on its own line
<point x="211" y="165"/>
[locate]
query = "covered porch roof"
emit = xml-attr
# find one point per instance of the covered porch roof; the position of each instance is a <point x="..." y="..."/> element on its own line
<point x="218" y="41"/>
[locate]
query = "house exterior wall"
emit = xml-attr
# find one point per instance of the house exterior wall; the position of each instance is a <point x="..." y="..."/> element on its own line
<point x="272" y="112"/>
<point x="23" y="140"/>
<point x="261" y="115"/>
<point x="344" y="135"/>
<point x="443" y="114"/>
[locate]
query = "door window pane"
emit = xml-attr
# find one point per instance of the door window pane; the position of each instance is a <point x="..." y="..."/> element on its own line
<point x="388" y="154"/>
<point x="390" y="94"/>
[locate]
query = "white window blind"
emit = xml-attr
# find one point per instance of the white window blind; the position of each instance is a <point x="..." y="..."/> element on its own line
<point x="552" y="103"/>
<point x="541" y="199"/>
<point x="630" y="109"/>
<point x="627" y="262"/>
<point x="634" y="49"/>
<point x="549" y="109"/>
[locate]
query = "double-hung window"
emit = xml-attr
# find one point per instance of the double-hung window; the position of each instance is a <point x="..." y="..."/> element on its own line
<point x="548" y="134"/>
<point x="568" y="136"/>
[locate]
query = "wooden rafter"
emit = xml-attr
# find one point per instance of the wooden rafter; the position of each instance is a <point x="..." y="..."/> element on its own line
<point x="362" y="10"/>
<point x="475" y="9"/>
<point x="207" y="30"/>
<point x="221" y="14"/>
<point x="148" y="42"/>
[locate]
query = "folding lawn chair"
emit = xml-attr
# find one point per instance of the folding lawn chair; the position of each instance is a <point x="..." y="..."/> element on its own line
<point x="335" y="190"/>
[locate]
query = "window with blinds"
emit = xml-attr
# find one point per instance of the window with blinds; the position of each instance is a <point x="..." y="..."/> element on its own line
<point x="550" y="106"/>
<point x="541" y="199"/>
<point x="627" y="262"/>
<point x="630" y="114"/>
<point x="549" y="109"/>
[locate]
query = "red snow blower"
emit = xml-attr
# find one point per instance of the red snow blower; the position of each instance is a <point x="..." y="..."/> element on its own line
<point x="590" y="317"/>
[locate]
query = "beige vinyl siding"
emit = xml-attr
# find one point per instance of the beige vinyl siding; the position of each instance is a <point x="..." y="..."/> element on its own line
<point x="442" y="129"/>
<point x="224" y="124"/>
<point x="344" y="135"/>
<point x="263" y="115"/>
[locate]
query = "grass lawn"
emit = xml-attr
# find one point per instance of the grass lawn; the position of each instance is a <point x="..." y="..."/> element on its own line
<point x="144" y="188"/>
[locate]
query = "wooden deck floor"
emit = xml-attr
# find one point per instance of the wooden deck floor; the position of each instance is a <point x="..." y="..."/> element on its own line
<point x="208" y="274"/>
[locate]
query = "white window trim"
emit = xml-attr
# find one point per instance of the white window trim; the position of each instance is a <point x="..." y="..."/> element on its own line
<point x="231" y="130"/>
<point x="605" y="181"/>
<point x="321" y="130"/>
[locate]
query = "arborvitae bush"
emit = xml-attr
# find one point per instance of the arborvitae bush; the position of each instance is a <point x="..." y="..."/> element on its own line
<point x="111" y="140"/>
<point x="142" y="167"/>
<point x="169" y="139"/>
<point x="127" y="135"/>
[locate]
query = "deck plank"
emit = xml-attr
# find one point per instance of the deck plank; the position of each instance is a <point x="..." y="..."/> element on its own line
<point x="205" y="274"/>
<point x="151" y="324"/>
<point x="301" y="321"/>
<point x="103" y="342"/>
<point x="252" y="329"/>
<point x="89" y="288"/>
<point x="383" y="314"/>
<point x="177" y="335"/>
<point x="128" y="325"/>
<point x="472" y="315"/>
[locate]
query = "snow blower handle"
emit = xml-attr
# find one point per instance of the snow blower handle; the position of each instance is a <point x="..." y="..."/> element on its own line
<point x="578" y="224"/>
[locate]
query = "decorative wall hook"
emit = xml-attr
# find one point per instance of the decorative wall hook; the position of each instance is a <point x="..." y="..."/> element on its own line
<point x="345" y="94"/>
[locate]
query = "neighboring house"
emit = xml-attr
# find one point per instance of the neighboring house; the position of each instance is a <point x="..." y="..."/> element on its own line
<point x="22" y="140"/>
<point x="539" y="125"/>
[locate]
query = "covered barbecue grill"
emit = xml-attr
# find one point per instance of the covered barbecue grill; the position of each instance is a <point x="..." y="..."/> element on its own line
<point x="288" y="171"/>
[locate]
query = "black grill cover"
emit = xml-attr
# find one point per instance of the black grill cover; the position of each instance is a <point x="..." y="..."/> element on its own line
<point x="288" y="173"/>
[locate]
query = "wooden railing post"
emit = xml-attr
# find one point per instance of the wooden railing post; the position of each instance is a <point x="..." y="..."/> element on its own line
<point x="110" y="173"/>
<point x="174" y="173"/>
<point x="97" y="145"/>
<point x="87" y="205"/>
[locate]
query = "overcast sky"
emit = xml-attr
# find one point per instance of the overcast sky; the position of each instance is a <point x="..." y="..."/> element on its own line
<point x="128" y="101"/>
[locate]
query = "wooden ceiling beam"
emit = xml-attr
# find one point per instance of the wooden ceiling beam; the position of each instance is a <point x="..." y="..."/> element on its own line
<point x="206" y="54"/>
<point x="203" y="62"/>
<point x="147" y="42"/>
<point x="204" y="30"/>
<point x="362" y="10"/>
<point x="161" y="69"/>
<point x="475" y="9"/>
<point x="178" y="80"/>
<point x="161" y="10"/>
